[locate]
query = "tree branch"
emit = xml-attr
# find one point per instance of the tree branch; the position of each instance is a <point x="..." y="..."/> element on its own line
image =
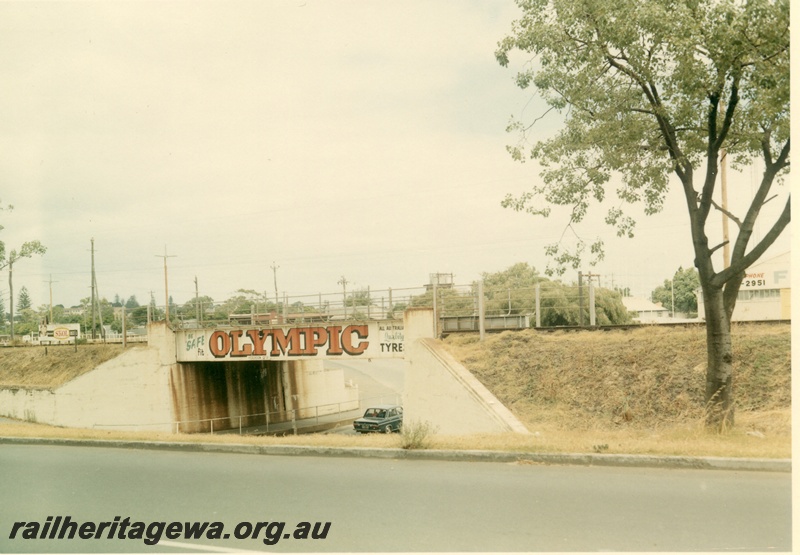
<point x="748" y="224"/>
<point x="740" y="263"/>
<point x="736" y="220"/>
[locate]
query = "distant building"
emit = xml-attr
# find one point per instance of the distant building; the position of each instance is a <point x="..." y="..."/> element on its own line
<point x="765" y="293"/>
<point x="74" y="311"/>
<point x="644" y="310"/>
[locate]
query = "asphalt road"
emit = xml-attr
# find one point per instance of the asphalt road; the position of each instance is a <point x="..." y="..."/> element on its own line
<point x="381" y="505"/>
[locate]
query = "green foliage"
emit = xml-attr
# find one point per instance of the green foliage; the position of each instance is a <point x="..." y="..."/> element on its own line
<point x="517" y="276"/>
<point x="189" y="309"/>
<point x="24" y="299"/>
<point x="513" y="291"/>
<point x="609" y="309"/>
<point x="450" y="301"/>
<point x="649" y="89"/>
<point x="686" y="283"/>
<point x="137" y="316"/>
<point x="361" y="297"/>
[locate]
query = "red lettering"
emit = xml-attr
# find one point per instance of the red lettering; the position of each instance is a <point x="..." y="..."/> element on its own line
<point x="315" y="337"/>
<point x="258" y="337"/>
<point x="219" y="344"/>
<point x="352" y="340"/>
<point x="347" y="339"/>
<point x="236" y="351"/>
<point x="286" y="343"/>
<point x="335" y="347"/>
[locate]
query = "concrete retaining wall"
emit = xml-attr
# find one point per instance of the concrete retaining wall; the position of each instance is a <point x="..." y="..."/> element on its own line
<point x="129" y="392"/>
<point x="439" y="390"/>
<point x="32" y="405"/>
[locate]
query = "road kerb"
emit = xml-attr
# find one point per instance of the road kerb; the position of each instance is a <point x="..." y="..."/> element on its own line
<point x="585" y="459"/>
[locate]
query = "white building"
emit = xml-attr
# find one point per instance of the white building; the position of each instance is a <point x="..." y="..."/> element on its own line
<point x="645" y="310"/>
<point x="765" y="293"/>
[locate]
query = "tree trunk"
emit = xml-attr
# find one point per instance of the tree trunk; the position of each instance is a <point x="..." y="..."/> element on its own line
<point x="719" y="372"/>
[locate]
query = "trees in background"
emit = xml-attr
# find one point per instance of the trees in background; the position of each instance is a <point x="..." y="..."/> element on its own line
<point x="682" y="288"/>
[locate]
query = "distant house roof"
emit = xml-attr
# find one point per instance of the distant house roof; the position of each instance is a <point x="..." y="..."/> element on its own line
<point x="640" y="305"/>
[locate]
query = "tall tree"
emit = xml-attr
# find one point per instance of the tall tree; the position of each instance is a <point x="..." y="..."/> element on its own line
<point x="27" y="250"/>
<point x="679" y="293"/>
<point x="652" y="89"/>
<point x="24" y="300"/>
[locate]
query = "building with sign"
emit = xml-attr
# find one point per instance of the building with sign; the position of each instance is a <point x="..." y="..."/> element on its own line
<point x="53" y="334"/>
<point x="765" y="293"/>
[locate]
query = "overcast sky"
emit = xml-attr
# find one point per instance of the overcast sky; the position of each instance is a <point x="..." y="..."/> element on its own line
<point x="349" y="138"/>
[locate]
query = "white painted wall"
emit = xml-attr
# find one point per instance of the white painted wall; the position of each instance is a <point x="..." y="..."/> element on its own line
<point x="440" y="391"/>
<point x="323" y="389"/>
<point x="33" y="405"/>
<point x="129" y="392"/>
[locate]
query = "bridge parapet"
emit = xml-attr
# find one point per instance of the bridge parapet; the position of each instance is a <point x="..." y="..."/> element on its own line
<point x="366" y="340"/>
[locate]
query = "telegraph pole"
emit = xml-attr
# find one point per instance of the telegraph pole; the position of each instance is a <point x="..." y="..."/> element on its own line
<point x="94" y="296"/>
<point x="196" y="300"/>
<point x="589" y="276"/>
<point x="275" y="281"/>
<point x="166" y="281"/>
<point x="343" y="283"/>
<point x="723" y="161"/>
<point x="726" y="247"/>
<point x="580" y="298"/>
<point x="51" y="282"/>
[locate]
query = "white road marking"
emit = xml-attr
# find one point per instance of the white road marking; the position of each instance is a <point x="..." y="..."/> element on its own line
<point x="201" y="547"/>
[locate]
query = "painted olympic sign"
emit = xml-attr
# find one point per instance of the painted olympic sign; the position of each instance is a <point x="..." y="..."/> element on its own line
<point x="382" y="339"/>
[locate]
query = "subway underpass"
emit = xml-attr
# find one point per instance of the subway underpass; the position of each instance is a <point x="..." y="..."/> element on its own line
<point x="271" y="397"/>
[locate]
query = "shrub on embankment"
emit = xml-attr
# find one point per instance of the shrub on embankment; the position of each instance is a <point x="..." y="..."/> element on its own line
<point x="640" y="378"/>
<point x="52" y="366"/>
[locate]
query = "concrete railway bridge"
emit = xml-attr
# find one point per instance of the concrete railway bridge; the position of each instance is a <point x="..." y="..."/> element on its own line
<point x="235" y="377"/>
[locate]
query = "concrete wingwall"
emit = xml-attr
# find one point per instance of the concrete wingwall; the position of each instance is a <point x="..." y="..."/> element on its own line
<point x="129" y="392"/>
<point x="441" y="391"/>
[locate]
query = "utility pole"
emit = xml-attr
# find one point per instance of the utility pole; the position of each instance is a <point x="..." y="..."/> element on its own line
<point x="672" y="286"/>
<point x="726" y="246"/>
<point x="166" y="281"/>
<point x="94" y="296"/>
<point x="343" y="283"/>
<point x="723" y="161"/>
<point x="51" y="282"/>
<point x="151" y="308"/>
<point x="275" y="282"/>
<point x="196" y="300"/>
<point x="580" y="298"/>
<point x="589" y="276"/>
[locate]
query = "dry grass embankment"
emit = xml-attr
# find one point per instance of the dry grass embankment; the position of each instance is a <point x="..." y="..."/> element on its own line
<point x="637" y="391"/>
<point x="52" y="366"/>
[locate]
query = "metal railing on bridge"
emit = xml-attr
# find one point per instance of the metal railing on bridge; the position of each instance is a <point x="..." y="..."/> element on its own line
<point x="547" y="304"/>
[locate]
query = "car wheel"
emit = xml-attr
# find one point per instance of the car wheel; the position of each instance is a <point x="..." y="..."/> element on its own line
<point x="388" y="429"/>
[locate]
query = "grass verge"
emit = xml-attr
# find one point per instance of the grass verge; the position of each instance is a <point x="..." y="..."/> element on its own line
<point x="744" y="441"/>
